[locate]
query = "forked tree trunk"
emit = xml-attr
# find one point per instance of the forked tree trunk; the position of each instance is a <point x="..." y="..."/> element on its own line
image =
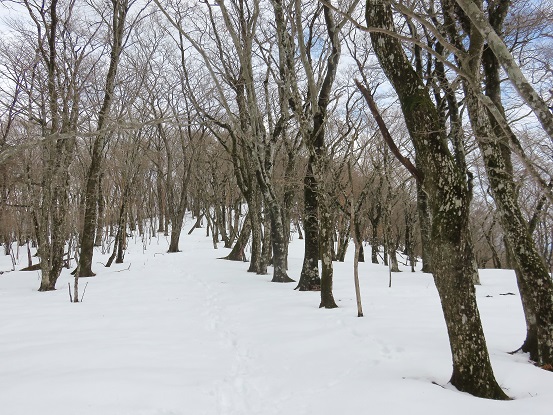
<point x="238" y="251"/>
<point x="52" y="210"/>
<point x="84" y="268"/>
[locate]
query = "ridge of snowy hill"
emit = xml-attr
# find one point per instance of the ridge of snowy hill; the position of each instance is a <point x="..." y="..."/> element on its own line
<point x="188" y="333"/>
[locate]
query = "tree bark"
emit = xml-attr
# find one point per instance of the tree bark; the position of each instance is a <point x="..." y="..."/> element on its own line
<point x="425" y="228"/>
<point x="237" y="252"/>
<point x="84" y="268"/>
<point x="57" y="154"/>
<point x="535" y="284"/>
<point x="327" y="274"/>
<point x="309" y="277"/>
<point x="449" y="197"/>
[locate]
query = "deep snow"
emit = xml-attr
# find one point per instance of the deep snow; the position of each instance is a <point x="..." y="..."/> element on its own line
<point x="187" y="333"/>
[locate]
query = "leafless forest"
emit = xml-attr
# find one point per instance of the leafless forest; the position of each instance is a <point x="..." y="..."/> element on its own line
<point x="417" y="127"/>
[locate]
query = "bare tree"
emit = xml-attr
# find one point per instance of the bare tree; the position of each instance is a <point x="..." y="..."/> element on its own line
<point x="449" y="198"/>
<point x="119" y="12"/>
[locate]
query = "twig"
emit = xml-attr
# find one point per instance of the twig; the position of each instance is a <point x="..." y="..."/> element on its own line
<point x="389" y="269"/>
<point x="86" y="285"/>
<point x="126" y="269"/>
<point x="70" y="296"/>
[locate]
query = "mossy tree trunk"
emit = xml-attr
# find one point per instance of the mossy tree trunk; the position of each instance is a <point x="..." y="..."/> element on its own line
<point x="309" y="277"/>
<point x="535" y="284"/>
<point x="327" y="274"/>
<point x="449" y="198"/>
<point x="425" y="228"/>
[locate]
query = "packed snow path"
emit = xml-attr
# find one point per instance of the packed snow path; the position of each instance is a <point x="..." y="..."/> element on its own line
<point x="189" y="334"/>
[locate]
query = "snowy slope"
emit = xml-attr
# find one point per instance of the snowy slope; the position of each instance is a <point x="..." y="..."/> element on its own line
<point x="187" y="333"/>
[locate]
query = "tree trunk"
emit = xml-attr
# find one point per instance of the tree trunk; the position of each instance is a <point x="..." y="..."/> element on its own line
<point x="255" y="219"/>
<point x="237" y="252"/>
<point x="449" y="198"/>
<point x="177" y="221"/>
<point x="343" y="241"/>
<point x="534" y="281"/>
<point x="392" y="250"/>
<point x="122" y="242"/>
<point x="327" y="298"/>
<point x="425" y="228"/>
<point x="309" y="278"/>
<point x="52" y="209"/>
<point x="101" y="215"/>
<point x="374" y="242"/>
<point x="279" y="243"/>
<point x="161" y="201"/>
<point x="84" y="268"/>
<point x="266" y="248"/>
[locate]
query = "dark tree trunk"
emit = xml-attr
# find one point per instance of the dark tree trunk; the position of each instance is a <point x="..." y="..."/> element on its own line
<point x="394" y="267"/>
<point x="224" y="228"/>
<point x="534" y="281"/>
<point x="409" y="243"/>
<point x="280" y="248"/>
<point x="50" y="214"/>
<point x="161" y="202"/>
<point x="309" y="278"/>
<point x="535" y="284"/>
<point x="449" y="198"/>
<point x="278" y="238"/>
<point x="257" y="235"/>
<point x="266" y="248"/>
<point x="425" y="228"/>
<point x="343" y="241"/>
<point x="101" y="214"/>
<point x="314" y="136"/>
<point x="176" y="229"/>
<point x="358" y="235"/>
<point x="115" y="249"/>
<point x="327" y="298"/>
<point x="122" y="243"/>
<point x="238" y="251"/>
<point x="374" y="241"/>
<point x="298" y="228"/>
<point x="84" y="268"/>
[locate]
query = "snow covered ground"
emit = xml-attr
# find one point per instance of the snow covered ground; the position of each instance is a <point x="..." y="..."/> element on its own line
<point x="190" y="334"/>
